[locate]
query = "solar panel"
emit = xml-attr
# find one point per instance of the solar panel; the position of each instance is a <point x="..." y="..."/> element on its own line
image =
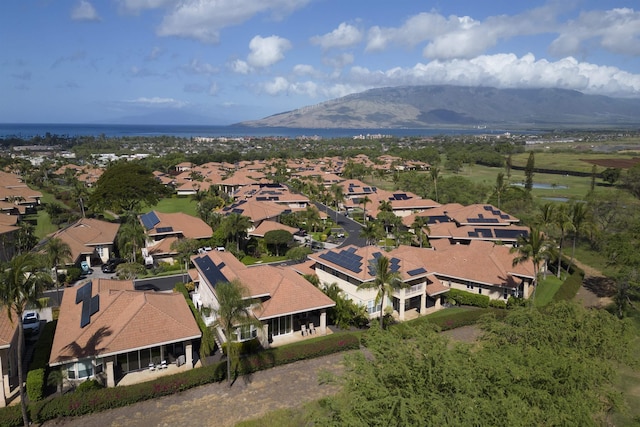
<point x="238" y="211"/>
<point x="95" y="304"/>
<point x="482" y="220"/>
<point x="485" y="232"/>
<point x="506" y="233"/>
<point x="346" y="259"/>
<point x="504" y="216"/>
<point x="394" y="265"/>
<point x="149" y="220"/>
<point x="211" y="272"/>
<point x="83" y="292"/>
<point x="416" y="271"/>
<point x="488" y="207"/>
<point x="164" y="229"/>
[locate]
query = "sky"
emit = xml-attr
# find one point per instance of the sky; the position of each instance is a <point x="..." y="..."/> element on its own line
<point x="224" y="61"/>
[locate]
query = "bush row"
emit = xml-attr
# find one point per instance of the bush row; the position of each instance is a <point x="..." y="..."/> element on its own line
<point x="90" y="401"/>
<point x="570" y="287"/>
<point x="456" y="319"/>
<point x="467" y="298"/>
<point x="36" y="377"/>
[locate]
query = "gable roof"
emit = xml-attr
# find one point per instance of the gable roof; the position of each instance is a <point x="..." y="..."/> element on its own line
<point x="8" y="327"/>
<point x="126" y="320"/>
<point x="172" y="224"/>
<point x="83" y="235"/>
<point x="281" y="290"/>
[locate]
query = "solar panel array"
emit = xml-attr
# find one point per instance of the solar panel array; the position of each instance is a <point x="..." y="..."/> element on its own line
<point x="211" y="271"/>
<point x="416" y="271"/>
<point x="400" y="196"/>
<point x="436" y="219"/>
<point x="507" y="233"/>
<point x="345" y="259"/>
<point x="90" y="306"/>
<point x="394" y="264"/>
<point x="496" y="212"/>
<point x="481" y="220"/>
<point x="149" y="220"/>
<point x="164" y="229"/>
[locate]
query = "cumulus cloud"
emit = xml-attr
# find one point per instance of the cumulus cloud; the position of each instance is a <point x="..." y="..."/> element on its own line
<point x="304" y="70"/>
<point x="616" y="30"/>
<point x="239" y="66"/>
<point x="344" y="36"/>
<point x="338" y="61"/>
<point x="266" y="51"/>
<point x="506" y="71"/>
<point x="203" y="20"/>
<point x="281" y="85"/>
<point x="157" y="102"/>
<point x="84" y="11"/>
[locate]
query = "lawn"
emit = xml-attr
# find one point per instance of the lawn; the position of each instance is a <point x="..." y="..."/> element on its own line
<point x="173" y="205"/>
<point x="547" y="288"/>
<point x="570" y="161"/>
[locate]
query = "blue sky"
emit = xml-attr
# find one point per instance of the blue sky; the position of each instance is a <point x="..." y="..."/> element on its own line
<point x="224" y="61"/>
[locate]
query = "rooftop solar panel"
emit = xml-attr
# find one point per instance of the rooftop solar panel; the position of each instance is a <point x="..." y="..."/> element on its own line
<point x="211" y="272"/>
<point x="506" y="233"/>
<point x="416" y="271"/>
<point x="237" y="211"/>
<point x="485" y="232"/>
<point x="164" y="229"/>
<point x="83" y="292"/>
<point x="149" y="220"/>
<point x="95" y="305"/>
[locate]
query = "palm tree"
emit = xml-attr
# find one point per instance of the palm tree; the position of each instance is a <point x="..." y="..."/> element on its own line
<point x="236" y="226"/>
<point x="338" y="197"/>
<point x="534" y="247"/>
<point x="185" y="247"/>
<point x="501" y="187"/>
<point x="57" y="252"/>
<point x="371" y="232"/>
<point x="580" y="221"/>
<point x="131" y="237"/>
<point x="234" y="313"/>
<point x="22" y="281"/>
<point x="420" y="223"/>
<point x="435" y="174"/>
<point x="312" y="218"/>
<point x="386" y="283"/>
<point x="364" y="202"/>
<point x="564" y="224"/>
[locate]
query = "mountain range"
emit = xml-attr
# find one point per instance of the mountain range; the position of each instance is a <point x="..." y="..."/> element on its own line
<point x="459" y="106"/>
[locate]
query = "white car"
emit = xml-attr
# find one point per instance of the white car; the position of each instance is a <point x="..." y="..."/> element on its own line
<point x="31" y="322"/>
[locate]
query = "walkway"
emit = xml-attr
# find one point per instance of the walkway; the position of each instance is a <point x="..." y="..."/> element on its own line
<point x="218" y="404"/>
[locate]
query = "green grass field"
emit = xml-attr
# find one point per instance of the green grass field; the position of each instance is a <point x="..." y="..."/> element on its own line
<point x="547" y="288"/>
<point x="565" y="160"/>
<point x="174" y="204"/>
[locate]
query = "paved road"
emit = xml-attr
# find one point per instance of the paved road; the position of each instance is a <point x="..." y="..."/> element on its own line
<point x="217" y="404"/>
<point x="352" y="227"/>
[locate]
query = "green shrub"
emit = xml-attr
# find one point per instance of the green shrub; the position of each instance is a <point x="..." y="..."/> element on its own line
<point x="11" y="416"/>
<point x="298" y="253"/>
<point x="456" y="319"/>
<point x="570" y="287"/>
<point x="513" y="302"/>
<point x="467" y="298"/>
<point x="88" y="385"/>
<point x="244" y="347"/>
<point x="497" y="303"/>
<point x="35" y="384"/>
<point x="73" y="274"/>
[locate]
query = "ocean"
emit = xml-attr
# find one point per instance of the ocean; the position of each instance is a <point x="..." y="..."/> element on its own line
<point x="30" y="130"/>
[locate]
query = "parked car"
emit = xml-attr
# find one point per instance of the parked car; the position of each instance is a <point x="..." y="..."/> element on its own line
<point x="111" y="265"/>
<point x="31" y="322"/>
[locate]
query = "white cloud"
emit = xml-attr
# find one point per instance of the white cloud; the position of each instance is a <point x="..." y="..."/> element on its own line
<point x="304" y="70"/>
<point x="203" y="20"/>
<point x="213" y="89"/>
<point x="157" y="102"/>
<point x="198" y="67"/>
<point x="616" y="30"/>
<point x="241" y="67"/>
<point x="266" y="51"/>
<point x="506" y="71"/>
<point x="84" y="11"/>
<point x="344" y="36"/>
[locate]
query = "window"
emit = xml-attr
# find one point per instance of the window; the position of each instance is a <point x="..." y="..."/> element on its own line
<point x="372" y="307"/>
<point x="505" y="293"/>
<point x="80" y="370"/>
<point x="246" y="332"/>
<point x="469" y="285"/>
<point x="480" y="290"/>
<point x="280" y="325"/>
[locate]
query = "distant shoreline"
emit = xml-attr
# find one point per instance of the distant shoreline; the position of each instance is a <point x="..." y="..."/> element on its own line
<point x="30" y="130"/>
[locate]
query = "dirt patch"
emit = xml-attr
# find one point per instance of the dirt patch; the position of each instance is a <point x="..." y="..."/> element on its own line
<point x="467" y="334"/>
<point x="614" y="163"/>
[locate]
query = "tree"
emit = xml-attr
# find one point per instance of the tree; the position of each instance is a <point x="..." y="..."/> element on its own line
<point x="528" y="173"/>
<point x="631" y="180"/>
<point x="125" y="186"/>
<point x="611" y="175"/>
<point x="580" y="221"/>
<point x="420" y="223"/>
<point x="371" y="232"/>
<point x="386" y="282"/>
<point x="364" y="202"/>
<point x="338" y="197"/>
<point x="500" y="187"/>
<point x="22" y="282"/>
<point x="131" y="237"/>
<point x="277" y="238"/>
<point x="129" y="270"/>
<point x="434" y="173"/>
<point x="57" y="252"/>
<point x="532" y="248"/>
<point x="234" y="313"/>
<point x="563" y="222"/>
<point x="236" y="226"/>
<point x="185" y="247"/>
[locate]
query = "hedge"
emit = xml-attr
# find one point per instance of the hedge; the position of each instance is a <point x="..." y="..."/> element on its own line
<point x="35" y="384"/>
<point x="457" y="319"/>
<point x="90" y="401"/>
<point x="467" y="298"/>
<point x="570" y="287"/>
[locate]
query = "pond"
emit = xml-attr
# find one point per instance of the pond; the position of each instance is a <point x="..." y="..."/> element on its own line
<point x="556" y="199"/>
<point x="542" y="186"/>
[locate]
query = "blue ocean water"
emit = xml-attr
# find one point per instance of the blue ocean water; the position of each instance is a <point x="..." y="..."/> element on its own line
<point x="30" y="130"/>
